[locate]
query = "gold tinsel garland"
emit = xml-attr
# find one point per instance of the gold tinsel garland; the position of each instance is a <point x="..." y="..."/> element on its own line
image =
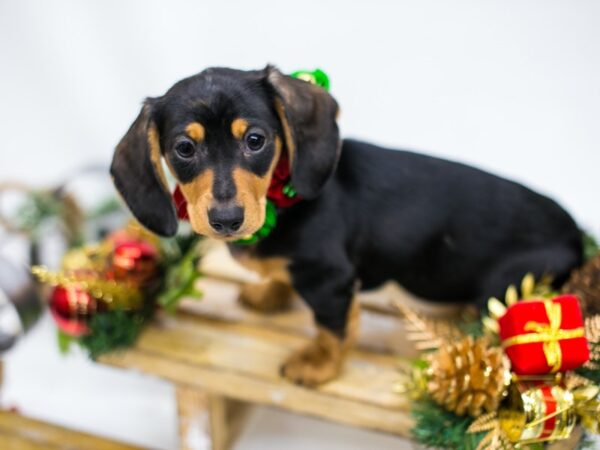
<point x="115" y="294"/>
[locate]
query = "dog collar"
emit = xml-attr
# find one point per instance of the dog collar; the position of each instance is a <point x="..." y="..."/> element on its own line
<point x="280" y="194"/>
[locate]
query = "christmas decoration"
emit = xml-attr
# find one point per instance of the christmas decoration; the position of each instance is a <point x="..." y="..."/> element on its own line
<point x="537" y="411"/>
<point x="495" y="437"/>
<point x="437" y="428"/>
<point x="71" y="308"/>
<point x="587" y="407"/>
<point x="180" y="260"/>
<point x="105" y="292"/>
<point x="428" y="333"/>
<point x="468" y="376"/>
<point x="115" y="294"/>
<point x="497" y="391"/>
<point x="591" y="370"/>
<point x="544" y="336"/>
<point x="39" y="207"/>
<point x="316" y="76"/>
<point x="134" y="260"/>
<point x="585" y="284"/>
<point x="530" y="289"/>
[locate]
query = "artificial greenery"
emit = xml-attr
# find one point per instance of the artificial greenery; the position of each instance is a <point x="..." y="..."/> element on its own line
<point x="591" y="371"/>
<point x="114" y="329"/>
<point x="38" y="207"/>
<point x="46" y="206"/>
<point x="470" y="325"/>
<point x="180" y="271"/>
<point x="64" y="340"/>
<point x="109" y="331"/>
<point x="590" y="246"/>
<point x="438" y="428"/>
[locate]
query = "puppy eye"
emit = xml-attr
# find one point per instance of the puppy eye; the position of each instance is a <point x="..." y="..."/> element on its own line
<point x="185" y="149"/>
<point x="255" y="141"/>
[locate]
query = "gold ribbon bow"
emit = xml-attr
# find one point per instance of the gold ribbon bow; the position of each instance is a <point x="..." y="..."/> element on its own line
<point x="548" y="333"/>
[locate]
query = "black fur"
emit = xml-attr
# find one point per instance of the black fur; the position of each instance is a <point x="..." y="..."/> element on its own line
<point x="445" y="231"/>
<point x="137" y="180"/>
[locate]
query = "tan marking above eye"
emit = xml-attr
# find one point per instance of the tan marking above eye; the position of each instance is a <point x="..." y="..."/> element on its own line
<point x="239" y="127"/>
<point x="195" y="131"/>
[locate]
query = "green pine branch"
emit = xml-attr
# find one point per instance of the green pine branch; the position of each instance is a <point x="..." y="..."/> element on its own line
<point x="591" y="371"/>
<point x="438" y="428"/>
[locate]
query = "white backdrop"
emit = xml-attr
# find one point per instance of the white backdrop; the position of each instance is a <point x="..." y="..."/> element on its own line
<point x="511" y="86"/>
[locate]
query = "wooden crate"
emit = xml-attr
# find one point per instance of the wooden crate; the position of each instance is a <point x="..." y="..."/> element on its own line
<point x="223" y="358"/>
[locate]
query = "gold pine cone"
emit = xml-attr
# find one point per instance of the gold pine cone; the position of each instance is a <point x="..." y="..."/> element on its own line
<point x="468" y="376"/>
<point x="585" y="283"/>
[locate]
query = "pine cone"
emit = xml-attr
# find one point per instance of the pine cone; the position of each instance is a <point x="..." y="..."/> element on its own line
<point x="468" y="377"/>
<point x="585" y="283"/>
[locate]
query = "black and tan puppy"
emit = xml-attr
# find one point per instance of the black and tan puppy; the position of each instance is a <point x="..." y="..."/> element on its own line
<point x="445" y="231"/>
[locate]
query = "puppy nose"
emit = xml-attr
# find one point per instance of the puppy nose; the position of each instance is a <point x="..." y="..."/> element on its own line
<point x="225" y="220"/>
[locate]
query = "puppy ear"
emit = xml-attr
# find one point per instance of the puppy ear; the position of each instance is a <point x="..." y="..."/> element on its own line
<point x="308" y="117"/>
<point x="138" y="175"/>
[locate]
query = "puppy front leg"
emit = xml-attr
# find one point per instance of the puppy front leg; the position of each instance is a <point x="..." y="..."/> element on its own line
<point x="337" y="313"/>
<point x="274" y="292"/>
<point x="269" y="295"/>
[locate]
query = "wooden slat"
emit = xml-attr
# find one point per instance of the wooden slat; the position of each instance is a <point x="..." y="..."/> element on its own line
<point x="282" y="394"/>
<point x="379" y="332"/>
<point x="22" y="433"/>
<point x="242" y="362"/>
<point x="258" y="352"/>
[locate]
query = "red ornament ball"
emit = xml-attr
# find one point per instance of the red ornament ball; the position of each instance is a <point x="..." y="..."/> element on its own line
<point x="71" y="308"/>
<point x="134" y="260"/>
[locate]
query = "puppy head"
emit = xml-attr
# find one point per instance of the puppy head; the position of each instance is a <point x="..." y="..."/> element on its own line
<point x="221" y="133"/>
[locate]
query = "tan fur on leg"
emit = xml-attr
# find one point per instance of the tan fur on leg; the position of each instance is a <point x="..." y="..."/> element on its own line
<point x="267" y="296"/>
<point x="323" y="358"/>
<point x="274" y="292"/>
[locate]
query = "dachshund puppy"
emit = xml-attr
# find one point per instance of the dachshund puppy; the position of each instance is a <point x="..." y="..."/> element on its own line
<point x="363" y="215"/>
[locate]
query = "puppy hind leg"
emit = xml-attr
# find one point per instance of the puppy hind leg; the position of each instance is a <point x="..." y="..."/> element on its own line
<point x="556" y="261"/>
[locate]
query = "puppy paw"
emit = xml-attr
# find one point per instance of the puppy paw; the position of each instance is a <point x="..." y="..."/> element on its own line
<point x="269" y="296"/>
<point x="318" y="362"/>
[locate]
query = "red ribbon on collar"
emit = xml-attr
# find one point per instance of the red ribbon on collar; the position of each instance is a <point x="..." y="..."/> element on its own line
<point x="279" y="180"/>
<point x="180" y="204"/>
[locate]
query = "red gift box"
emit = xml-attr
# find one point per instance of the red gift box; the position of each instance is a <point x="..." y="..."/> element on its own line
<point x="544" y="336"/>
